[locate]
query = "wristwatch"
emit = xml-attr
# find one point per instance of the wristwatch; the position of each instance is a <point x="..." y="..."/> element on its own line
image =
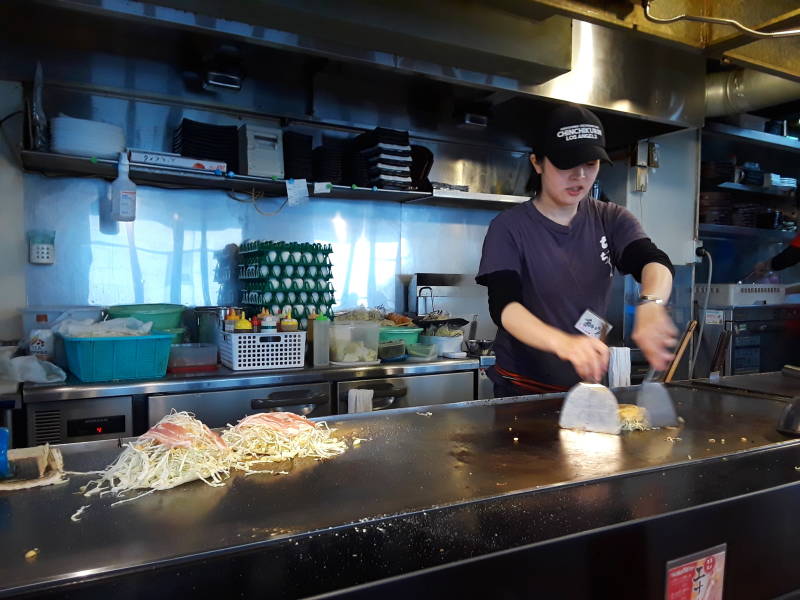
<point x="645" y="299"/>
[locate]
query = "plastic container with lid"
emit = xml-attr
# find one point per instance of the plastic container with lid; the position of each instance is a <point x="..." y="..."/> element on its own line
<point x="190" y="358"/>
<point x="422" y="352"/>
<point x="410" y="335"/>
<point x="354" y="341"/>
<point x="40" y="317"/>
<point x="321" y="347"/>
<point x="443" y="343"/>
<point x="391" y="349"/>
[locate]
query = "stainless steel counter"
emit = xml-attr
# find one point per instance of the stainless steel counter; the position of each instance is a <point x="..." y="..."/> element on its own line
<point x="411" y="461"/>
<point x="224" y="378"/>
<point x="775" y="385"/>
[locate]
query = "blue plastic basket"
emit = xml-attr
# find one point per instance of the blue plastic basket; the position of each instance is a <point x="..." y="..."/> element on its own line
<point x="108" y="359"/>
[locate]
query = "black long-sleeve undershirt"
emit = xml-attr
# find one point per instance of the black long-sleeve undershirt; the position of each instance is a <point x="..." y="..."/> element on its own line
<point x="788" y="258"/>
<point x="505" y="287"/>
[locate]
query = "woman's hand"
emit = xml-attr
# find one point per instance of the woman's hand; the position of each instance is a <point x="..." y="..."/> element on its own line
<point x="655" y="334"/>
<point x="589" y="356"/>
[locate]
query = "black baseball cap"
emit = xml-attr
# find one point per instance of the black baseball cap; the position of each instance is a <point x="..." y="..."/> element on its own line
<point x="571" y="135"/>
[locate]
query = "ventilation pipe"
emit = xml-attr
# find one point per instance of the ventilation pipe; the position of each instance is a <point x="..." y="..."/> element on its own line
<point x="745" y="90"/>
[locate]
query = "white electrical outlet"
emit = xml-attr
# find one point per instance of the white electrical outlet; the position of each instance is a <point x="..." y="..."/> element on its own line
<point x="42" y="254"/>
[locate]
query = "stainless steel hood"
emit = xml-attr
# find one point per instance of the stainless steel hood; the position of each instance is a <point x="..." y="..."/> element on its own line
<point x="464" y="43"/>
<point x="468" y="35"/>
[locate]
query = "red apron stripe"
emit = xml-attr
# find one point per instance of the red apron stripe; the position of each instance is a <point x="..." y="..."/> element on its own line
<point x="528" y="384"/>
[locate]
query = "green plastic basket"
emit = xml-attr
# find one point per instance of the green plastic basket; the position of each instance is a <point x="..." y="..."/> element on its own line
<point x="163" y="316"/>
<point x="410" y="335"/>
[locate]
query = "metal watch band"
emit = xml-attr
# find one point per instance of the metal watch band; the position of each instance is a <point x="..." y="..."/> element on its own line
<point x="649" y="299"/>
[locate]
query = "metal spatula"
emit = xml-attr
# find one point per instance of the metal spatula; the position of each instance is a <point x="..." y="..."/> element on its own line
<point x="590" y="407"/>
<point x="654" y="397"/>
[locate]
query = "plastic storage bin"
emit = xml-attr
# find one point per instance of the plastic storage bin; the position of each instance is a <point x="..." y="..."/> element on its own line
<point x="56" y="314"/>
<point x="410" y="335"/>
<point x="393" y="349"/>
<point x="254" y="351"/>
<point x="109" y="359"/>
<point x="354" y="341"/>
<point x="190" y="358"/>
<point x="422" y="352"/>
<point x="443" y="343"/>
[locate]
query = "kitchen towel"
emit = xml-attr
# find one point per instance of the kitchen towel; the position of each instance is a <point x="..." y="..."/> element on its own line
<point x="619" y="368"/>
<point x="359" y="401"/>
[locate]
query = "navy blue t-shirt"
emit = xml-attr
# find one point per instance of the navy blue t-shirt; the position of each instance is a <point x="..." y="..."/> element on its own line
<point x="564" y="271"/>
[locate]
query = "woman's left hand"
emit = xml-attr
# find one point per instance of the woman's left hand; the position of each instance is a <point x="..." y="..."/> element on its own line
<point x="655" y="334"/>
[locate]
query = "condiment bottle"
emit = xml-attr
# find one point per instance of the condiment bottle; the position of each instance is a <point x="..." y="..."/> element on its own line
<point x="288" y="323"/>
<point x="230" y="321"/>
<point x="269" y="323"/>
<point x="310" y="328"/>
<point x="122" y="193"/>
<point x="41" y="340"/>
<point x="243" y="325"/>
<point x="256" y="324"/>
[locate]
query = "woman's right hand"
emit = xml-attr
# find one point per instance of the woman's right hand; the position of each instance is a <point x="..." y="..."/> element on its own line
<point x="589" y="356"/>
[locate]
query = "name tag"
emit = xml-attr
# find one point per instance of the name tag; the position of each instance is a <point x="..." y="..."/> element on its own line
<point x="593" y="325"/>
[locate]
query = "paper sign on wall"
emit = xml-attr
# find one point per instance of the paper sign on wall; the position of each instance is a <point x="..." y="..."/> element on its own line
<point x="296" y="192"/>
<point x="698" y="576"/>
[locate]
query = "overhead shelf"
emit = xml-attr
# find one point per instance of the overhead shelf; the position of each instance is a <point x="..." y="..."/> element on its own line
<point x="708" y="230"/>
<point x="752" y="136"/>
<point x="755" y="189"/>
<point x="459" y="199"/>
<point x="62" y="164"/>
<point x="347" y="192"/>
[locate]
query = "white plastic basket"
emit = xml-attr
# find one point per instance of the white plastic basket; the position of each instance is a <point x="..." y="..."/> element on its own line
<point x="254" y="351"/>
<point x="741" y="294"/>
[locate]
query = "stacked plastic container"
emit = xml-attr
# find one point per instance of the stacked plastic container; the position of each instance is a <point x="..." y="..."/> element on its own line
<point x="287" y="276"/>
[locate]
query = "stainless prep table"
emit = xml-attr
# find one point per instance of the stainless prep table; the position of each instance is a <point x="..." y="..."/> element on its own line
<point x="76" y="411"/>
<point x="482" y="497"/>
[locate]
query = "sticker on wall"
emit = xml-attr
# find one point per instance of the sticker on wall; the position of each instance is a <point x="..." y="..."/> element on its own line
<point x="714" y="317"/>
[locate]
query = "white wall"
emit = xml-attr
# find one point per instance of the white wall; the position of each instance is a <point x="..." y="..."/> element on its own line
<point x="668" y="209"/>
<point x="12" y="217"/>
